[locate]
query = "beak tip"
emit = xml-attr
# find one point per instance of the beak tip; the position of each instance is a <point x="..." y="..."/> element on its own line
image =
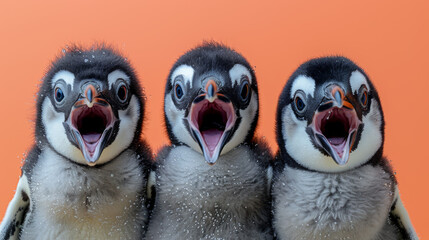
<point x="211" y="160"/>
<point x="90" y="160"/>
<point x="91" y="164"/>
<point x="341" y="163"/>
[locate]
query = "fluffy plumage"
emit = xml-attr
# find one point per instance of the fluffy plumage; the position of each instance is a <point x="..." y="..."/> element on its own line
<point x="201" y="193"/>
<point x="86" y="176"/>
<point x="330" y="179"/>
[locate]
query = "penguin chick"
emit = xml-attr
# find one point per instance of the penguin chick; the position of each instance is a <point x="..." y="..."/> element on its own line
<point x="330" y="179"/>
<point x="212" y="182"/>
<point x="86" y="176"/>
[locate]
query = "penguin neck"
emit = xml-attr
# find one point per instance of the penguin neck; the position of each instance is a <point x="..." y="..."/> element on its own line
<point x="79" y="183"/>
<point x="81" y="164"/>
<point x="192" y="175"/>
<point x="196" y="159"/>
<point x="284" y="157"/>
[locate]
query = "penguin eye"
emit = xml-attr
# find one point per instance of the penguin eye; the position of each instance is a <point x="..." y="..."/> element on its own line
<point x="244" y="90"/>
<point x="122" y="92"/>
<point x="300" y="102"/>
<point x="59" y="95"/>
<point x="363" y="96"/>
<point x="178" y="91"/>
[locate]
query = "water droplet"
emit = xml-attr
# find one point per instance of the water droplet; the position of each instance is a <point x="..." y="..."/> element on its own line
<point x="86" y="60"/>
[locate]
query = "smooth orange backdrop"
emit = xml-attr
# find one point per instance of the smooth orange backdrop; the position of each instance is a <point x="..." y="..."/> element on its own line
<point x="389" y="39"/>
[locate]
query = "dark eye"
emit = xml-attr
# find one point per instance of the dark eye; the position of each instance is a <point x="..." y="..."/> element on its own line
<point x="178" y="91"/>
<point x="300" y="102"/>
<point x="364" y="97"/>
<point x="245" y="90"/>
<point x="59" y="94"/>
<point x="122" y="92"/>
<point x="300" y="105"/>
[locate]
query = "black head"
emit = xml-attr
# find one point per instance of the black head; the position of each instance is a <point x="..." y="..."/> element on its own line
<point x="211" y="100"/>
<point x="329" y="116"/>
<point x="90" y="105"/>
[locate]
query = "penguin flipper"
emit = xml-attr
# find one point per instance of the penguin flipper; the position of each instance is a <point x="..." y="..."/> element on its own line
<point x="151" y="183"/>
<point x="399" y="216"/>
<point x="16" y="211"/>
<point x="151" y="189"/>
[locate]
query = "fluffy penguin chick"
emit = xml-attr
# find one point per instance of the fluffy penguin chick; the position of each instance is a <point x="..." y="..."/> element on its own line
<point x="213" y="182"/>
<point x="330" y="179"/>
<point x="86" y="176"/>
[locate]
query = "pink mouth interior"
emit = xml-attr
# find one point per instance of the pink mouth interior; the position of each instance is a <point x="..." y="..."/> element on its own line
<point x="211" y="120"/>
<point x="91" y="123"/>
<point x="336" y="124"/>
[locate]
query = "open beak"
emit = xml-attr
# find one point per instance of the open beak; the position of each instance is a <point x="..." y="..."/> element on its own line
<point x="91" y="122"/>
<point x="335" y="126"/>
<point x="212" y="118"/>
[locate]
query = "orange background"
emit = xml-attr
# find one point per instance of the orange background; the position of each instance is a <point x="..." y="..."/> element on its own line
<point x="389" y="39"/>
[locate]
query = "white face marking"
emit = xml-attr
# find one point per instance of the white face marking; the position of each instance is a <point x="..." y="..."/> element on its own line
<point x="305" y="84"/>
<point x="186" y="71"/>
<point x="56" y="135"/>
<point x="236" y="72"/>
<point x="127" y="128"/>
<point x="357" y="79"/>
<point x="115" y="75"/>
<point x="175" y="118"/>
<point x="247" y="117"/>
<point x="299" y="146"/>
<point x="67" y="76"/>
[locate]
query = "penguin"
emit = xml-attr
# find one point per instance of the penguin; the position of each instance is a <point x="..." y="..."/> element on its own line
<point x="213" y="181"/>
<point x="86" y="175"/>
<point x="331" y="180"/>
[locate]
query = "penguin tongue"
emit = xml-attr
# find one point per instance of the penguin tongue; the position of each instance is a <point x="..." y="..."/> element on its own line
<point x="336" y="140"/>
<point x="91" y="141"/>
<point x="338" y="144"/>
<point x="212" y="137"/>
<point x="91" y="137"/>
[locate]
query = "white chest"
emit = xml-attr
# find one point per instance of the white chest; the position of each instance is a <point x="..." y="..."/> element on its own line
<point x="228" y="200"/>
<point x="233" y="174"/>
<point x="70" y="201"/>
<point x="350" y="205"/>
